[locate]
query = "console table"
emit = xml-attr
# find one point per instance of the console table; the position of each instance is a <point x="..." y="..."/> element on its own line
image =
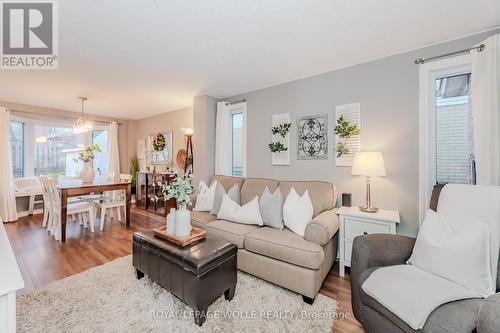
<point x="10" y="281"/>
<point x="149" y="194"/>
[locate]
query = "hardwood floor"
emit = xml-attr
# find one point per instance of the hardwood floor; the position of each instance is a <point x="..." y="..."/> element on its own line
<point x="43" y="260"/>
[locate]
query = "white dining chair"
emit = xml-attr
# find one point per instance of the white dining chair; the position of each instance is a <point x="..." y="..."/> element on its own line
<point x="112" y="202"/>
<point x="46" y="200"/>
<point x="85" y="210"/>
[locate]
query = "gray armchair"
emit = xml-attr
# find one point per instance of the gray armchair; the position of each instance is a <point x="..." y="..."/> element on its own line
<point x="377" y="250"/>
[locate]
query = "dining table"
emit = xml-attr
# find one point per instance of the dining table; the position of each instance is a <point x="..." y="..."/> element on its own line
<point x="75" y="187"/>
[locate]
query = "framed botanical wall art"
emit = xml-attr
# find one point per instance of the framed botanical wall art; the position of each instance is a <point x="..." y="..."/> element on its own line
<point x="280" y="145"/>
<point x="347" y="133"/>
<point x="312" y="137"/>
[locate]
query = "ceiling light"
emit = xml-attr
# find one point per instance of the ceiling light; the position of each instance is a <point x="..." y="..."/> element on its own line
<point x="83" y="124"/>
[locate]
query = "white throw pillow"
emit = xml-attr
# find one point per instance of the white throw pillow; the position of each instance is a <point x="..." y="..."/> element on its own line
<point x="297" y="211"/>
<point x="460" y="256"/>
<point x="246" y="214"/>
<point x="205" y="197"/>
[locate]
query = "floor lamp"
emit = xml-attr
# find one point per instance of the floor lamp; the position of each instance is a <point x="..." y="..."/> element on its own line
<point x="188" y="132"/>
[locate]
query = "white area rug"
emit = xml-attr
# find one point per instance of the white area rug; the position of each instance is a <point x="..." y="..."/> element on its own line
<point x="109" y="298"/>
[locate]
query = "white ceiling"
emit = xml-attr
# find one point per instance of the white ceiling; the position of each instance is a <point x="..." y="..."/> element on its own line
<point x="139" y="58"/>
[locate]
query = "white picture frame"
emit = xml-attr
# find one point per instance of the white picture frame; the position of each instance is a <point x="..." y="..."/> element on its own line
<point x="352" y="113"/>
<point x="164" y="157"/>
<point x="281" y="158"/>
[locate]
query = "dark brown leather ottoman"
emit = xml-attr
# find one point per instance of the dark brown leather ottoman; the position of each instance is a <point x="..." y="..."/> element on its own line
<point x="198" y="274"/>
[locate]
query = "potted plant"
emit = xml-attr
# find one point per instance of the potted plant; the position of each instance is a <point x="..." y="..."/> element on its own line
<point x="134" y="168"/>
<point x="87" y="156"/>
<point x="181" y="189"/>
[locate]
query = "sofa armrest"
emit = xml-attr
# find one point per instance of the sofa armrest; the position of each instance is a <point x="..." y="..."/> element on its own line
<point x="488" y="319"/>
<point x="375" y="250"/>
<point x="380" y="250"/>
<point x="322" y="228"/>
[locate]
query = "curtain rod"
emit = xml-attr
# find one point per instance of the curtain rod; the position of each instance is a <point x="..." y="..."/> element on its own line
<point x="241" y="101"/>
<point x="420" y="61"/>
<point x="59" y="116"/>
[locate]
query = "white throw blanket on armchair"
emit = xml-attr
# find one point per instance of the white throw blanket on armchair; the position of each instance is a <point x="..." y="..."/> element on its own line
<point x="412" y="293"/>
<point x="455" y="256"/>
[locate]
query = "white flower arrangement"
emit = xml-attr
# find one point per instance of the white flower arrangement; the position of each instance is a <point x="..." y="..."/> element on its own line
<point x="181" y="188"/>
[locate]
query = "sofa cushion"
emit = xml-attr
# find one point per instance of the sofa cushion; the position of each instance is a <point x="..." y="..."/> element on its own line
<point x="323" y="195"/>
<point x="200" y="219"/>
<point x="254" y="187"/>
<point x="286" y="246"/>
<point x="230" y="231"/>
<point x="228" y="181"/>
<point x="458" y="316"/>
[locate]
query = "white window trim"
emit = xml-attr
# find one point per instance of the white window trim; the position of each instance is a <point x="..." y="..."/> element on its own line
<point x="429" y="72"/>
<point x="235" y="109"/>
<point x="29" y="138"/>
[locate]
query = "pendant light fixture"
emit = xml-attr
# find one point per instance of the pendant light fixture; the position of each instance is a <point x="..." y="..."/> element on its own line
<point x="83" y="124"/>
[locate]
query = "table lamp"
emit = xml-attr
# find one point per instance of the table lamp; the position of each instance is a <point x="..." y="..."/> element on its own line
<point x="368" y="164"/>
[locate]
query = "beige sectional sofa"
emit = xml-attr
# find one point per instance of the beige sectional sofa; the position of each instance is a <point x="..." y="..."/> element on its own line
<point x="281" y="256"/>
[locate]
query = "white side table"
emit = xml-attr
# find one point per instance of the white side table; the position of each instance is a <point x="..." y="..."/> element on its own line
<point x="354" y="222"/>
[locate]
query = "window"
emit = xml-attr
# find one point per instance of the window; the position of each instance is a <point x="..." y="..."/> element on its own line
<point x="446" y="153"/>
<point x="17" y="148"/>
<point x="238" y="140"/>
<point x="100" y="137"/>
<point x="455" y="161"/>
<point x="57" y="153"/>
<point x="53" y="149"/>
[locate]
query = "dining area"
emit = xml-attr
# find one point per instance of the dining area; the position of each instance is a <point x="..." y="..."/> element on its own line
<point x="71" y="200"/>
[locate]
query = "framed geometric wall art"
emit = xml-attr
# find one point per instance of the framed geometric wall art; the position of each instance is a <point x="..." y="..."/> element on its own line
<point x="312" y="137"/>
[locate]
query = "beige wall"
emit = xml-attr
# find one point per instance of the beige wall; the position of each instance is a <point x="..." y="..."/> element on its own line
<point x="36" y="112"/>
<point x="173" y="120"/>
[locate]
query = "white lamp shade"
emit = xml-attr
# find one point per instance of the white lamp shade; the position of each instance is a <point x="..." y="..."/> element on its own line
<point x="368" y="164"/>
<point x="187" y="131"/>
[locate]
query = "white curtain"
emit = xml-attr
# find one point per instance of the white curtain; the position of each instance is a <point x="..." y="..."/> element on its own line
<point x="8" y="210"/>
<point x="113" y="152"/>
<point x="485" y="103"/>
<point x="222" y="140"/>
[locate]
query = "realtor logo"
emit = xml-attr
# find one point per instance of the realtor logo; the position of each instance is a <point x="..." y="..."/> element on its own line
<point x="29" y="34"/>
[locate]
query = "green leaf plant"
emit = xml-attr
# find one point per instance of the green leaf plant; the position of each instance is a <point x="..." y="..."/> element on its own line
<point x="277" y="147"/>
<point x="282" y="130"/>
<point x="345" y="130"/>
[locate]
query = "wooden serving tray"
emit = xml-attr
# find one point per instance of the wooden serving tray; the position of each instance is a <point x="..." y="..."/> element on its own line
<point x="196" y="235"/>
